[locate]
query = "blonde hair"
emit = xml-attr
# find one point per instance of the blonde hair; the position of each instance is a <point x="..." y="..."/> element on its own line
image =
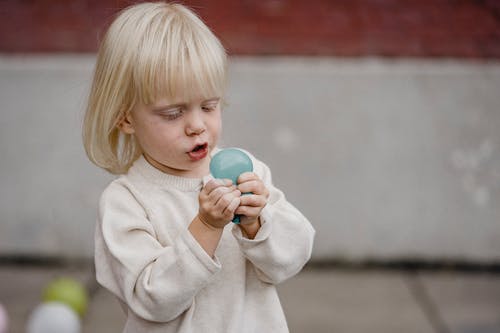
<point x="151" y="50"/>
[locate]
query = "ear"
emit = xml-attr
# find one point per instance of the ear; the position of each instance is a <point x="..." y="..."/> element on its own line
<point x="125" y="124"/>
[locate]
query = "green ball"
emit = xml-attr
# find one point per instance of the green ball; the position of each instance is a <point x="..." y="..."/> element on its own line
<point x="69" y="292"/>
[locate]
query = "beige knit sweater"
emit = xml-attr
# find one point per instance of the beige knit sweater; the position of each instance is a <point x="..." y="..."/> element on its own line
<point x="145" y="255"/>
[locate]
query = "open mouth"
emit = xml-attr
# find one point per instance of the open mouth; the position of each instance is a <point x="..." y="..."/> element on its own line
<point x="199" y="152"/>
<point x="199" y="147"/>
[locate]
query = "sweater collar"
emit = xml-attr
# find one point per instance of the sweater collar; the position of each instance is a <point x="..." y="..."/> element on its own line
<point x="144" y="169"/>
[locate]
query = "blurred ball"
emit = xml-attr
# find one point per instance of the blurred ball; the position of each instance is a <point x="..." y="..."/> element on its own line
<point x="53" y="317"/>
<point x="4" y="320"/>
<point x="69" y="292"/>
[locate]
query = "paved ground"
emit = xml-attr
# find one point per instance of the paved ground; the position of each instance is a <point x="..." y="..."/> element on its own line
<point x="315" y="301"/>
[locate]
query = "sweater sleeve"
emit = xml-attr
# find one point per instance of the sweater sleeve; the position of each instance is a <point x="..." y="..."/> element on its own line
<point x="284" y="242"/>
<point x="157" y="282"/>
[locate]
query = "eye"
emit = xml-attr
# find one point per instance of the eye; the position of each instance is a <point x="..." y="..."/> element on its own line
<point x="171" y="114"/>
<point x="209" y="107"/>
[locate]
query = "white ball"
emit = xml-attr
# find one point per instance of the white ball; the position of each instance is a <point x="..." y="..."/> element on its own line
<point x="53" y="317"/>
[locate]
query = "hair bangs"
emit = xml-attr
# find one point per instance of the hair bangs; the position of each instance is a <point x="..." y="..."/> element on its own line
<point x="181" y="64"/>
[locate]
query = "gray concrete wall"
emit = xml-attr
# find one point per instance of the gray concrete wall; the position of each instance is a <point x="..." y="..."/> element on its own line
<point x="390" y="159"/>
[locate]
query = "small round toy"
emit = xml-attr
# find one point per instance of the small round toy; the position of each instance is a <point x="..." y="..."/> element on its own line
<point x="4" y="320"/>
<point x="53" y="317"/>
<point x="69" y="292"/>
<point x="230" y="163"/>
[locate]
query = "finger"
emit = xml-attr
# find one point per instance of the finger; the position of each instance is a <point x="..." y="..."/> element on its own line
<point x="225" y="200"/>
<point x="229" y="211"/>
<point x="247" y="176"/>
<point x="211" y="185"/>
<point x="248" y="211"/>
<point x="253" y="200"/>
<point x="216" y="183"/>
<point x="252" y="186"/>
<point x="220" y="191"/>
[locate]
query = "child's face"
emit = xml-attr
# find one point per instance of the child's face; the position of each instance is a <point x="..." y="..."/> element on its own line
<point x="177" y="138"/>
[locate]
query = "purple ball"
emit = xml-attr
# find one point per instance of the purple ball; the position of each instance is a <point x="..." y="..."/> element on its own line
<point x="4" y="319"/>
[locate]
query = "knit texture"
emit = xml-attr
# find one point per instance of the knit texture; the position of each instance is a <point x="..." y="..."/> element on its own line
<point x="166" y="282"/>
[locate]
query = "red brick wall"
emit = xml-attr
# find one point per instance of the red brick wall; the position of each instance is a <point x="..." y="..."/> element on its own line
<point x="414" y="28"/>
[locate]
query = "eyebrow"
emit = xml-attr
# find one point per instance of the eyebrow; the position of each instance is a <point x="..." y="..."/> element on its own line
<point x="158" y="108"/>
<point x="215" y="99"/>
<point x="177" y="105"/>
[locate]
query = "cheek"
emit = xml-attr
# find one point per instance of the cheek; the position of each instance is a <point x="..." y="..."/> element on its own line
<point x="218" y="126"/>
<point x="167" y="135"/>
<point x="154" y="134"/>
<point x="216" y="123"/>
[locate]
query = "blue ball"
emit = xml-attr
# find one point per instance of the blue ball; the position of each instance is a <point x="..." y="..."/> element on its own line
<point x="230" y="163"/>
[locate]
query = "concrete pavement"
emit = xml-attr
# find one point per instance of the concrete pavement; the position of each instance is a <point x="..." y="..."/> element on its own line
<point x="315" y="301"/>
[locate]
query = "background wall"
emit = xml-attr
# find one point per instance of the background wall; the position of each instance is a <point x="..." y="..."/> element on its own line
<point x="379" y="119"/>
<point x="415" y="28"/>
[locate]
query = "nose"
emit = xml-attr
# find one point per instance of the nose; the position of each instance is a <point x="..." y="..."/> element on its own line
<point x="195" y="124"/>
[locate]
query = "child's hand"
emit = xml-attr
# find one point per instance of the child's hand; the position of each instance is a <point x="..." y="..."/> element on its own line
<point x="218" y="202"/>
<point x="251" y="204"/>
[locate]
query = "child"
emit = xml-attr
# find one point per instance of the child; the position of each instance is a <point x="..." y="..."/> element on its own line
<point x="164" y="244"/>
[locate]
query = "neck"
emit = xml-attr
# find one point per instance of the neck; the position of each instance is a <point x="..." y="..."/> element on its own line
<point x="198" y="172"/>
